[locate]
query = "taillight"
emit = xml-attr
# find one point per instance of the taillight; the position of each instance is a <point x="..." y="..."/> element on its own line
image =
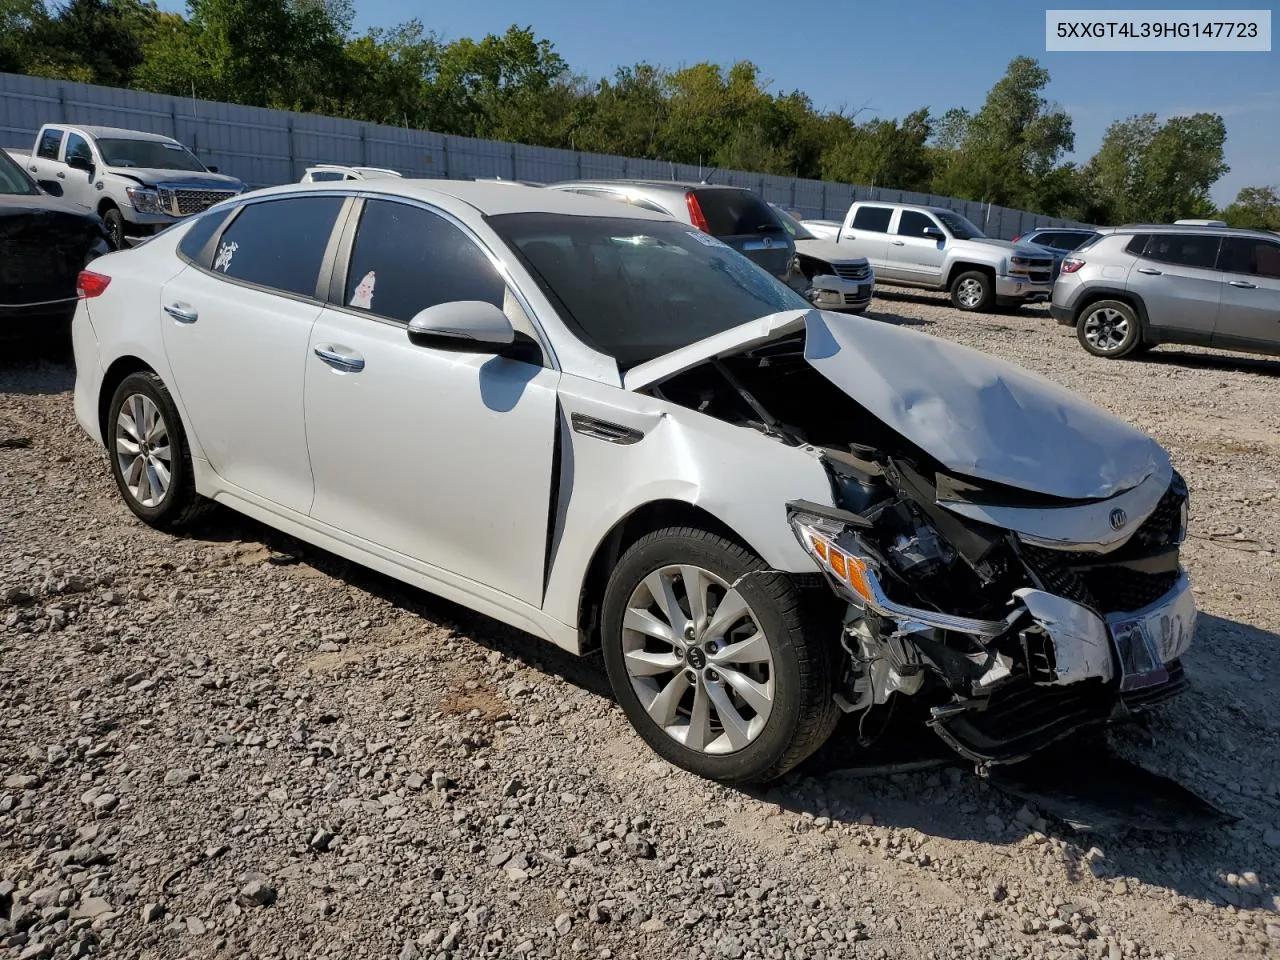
<point x="695" y="212"/>
<point x="1072" y="264"/>
<point x="1016" y="239"/>
<point x="90" y="284"/>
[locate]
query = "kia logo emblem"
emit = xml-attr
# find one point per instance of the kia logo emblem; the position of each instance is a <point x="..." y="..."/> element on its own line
<point x="1118" y="519"/>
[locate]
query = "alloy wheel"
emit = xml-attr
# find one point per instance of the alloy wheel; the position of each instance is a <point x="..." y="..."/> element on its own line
<point x="142" y="450"/>
<point x="1106" y="329"/>
<point x="969" y="293"/>
<point x="698" y="659"/>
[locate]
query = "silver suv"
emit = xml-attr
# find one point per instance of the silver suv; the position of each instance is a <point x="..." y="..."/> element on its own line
<point x="1134" y="287"/>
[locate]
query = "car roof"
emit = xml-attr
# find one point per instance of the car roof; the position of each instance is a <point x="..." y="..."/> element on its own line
<point x="357" y="169"/>
<point x="116" y="133"/>
<point x="1188" y="228"/>
<point x="1060" y="230"/>
<point x="492" y="197"/>
<point x="674" y="186"/>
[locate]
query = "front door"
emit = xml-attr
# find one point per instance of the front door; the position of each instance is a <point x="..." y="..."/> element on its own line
<point x="236" y="333"/>
<point x="78" y="185"/>
<point x="443" y="457"/>
<point x="919" y="257"/>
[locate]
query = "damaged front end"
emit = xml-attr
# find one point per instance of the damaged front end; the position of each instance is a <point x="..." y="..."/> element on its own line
<point x="1008" y="554"/>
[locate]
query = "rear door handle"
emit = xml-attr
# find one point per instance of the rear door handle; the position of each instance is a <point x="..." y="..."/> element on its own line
<point x="340" y="359"/>
<point x="1149" y="271"/>
<point x="182" y="312"/>
<point x="1244" y="284"/>
<point x="61" y="175"/>
<point x="898" y="243"/>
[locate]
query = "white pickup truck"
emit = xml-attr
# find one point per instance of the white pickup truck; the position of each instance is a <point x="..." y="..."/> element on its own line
<point x="136" y="182"/>
<point x="937" y="249"/>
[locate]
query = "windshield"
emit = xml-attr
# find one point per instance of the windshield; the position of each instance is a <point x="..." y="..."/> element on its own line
<point x="960" y="228"/>
<point x="13" y="182"/>
<point x="793" y="226"/>
<point x="638" y="289"/>
<point x="156" y="154"/>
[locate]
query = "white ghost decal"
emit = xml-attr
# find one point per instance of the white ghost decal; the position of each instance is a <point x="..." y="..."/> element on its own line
<point x="363" y="297"/>
<point x="225" y="252"/>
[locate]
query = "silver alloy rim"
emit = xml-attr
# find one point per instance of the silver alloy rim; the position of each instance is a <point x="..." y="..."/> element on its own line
<point x="1106" y="329"/>
<point x="698" y="659"/>
<point x="969" y="293"/>
<point x="142" y="450"/>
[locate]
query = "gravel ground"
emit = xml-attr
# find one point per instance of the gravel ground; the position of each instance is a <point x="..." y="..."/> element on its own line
<point x="230" y="745"/>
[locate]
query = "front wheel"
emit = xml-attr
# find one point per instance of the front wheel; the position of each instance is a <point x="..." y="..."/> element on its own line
<point x="972" y="291"/>
<point x="708" y="657"/>
<point x="113" y="220"/>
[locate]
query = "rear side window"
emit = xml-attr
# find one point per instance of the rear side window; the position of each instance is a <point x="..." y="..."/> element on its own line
<point x="49" y="144"/>
<point x="1257" y="258"/>
<point x="320" y="176"/>
<point x="875" y="219"/>
<point x="193" y="242"/>
<point x="406" y="259"/>
<point x="1137" y="243"/>
<point x="732" y="213"/>
<point x="1183" y="249"/>
<point x="913" y="223"/>
<point x="279" y="244"/>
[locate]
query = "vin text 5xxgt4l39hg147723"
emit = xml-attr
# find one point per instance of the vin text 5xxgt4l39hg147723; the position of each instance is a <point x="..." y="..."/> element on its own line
<point x="610" y="428"/>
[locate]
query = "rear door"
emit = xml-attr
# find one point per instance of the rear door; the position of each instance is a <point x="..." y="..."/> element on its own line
<point x="919" y="257"/>
<point x="866" y="234"/>
<point x="1249" y="315"/>
<point x="746" y="223"/>
<point x="1176" y="276"/>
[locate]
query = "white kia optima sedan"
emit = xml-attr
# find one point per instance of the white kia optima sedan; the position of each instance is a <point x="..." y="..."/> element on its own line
<point x="611" y="430"/>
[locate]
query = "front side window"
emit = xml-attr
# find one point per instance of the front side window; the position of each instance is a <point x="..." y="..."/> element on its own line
<point x="12" y="179"/>
<point x="637" y="289"/>
<point x="152" y="154"/>
<point x="1250" y="256"/>
<point x="1183" y="249"/>
<point x="913" y="223"/>
<point x="406" y="259"/>
<point x="50" y="142"/>
<point x="279" y="243"/>
<point x="77" y="146"/>
<point x="873" y="219"/>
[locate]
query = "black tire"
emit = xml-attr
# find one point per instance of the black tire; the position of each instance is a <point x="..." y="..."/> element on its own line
<point x="962" y="285"/>
<point x="179" y="505"/>
<point x="1109" y="328"/>
<point x="802" y="714"/>
<point x="113" y="220"/>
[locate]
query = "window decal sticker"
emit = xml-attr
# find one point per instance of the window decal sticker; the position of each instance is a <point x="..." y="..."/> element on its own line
<point x="706" y="239"/>
<point x="363" y="297"/>
<point x="225" y="252"/>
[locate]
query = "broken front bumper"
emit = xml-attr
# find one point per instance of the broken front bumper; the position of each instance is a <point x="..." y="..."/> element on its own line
<point x="829" y="292"/>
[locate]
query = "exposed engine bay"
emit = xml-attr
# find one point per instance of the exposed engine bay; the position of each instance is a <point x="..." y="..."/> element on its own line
<point x="1010" y="617"/>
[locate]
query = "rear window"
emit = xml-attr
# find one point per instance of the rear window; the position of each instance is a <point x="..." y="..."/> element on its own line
<point x="193" y="243"/>
<point x="1183" y="249"/>
<point x="731" y="213"/>
<point x="875" y="219"/>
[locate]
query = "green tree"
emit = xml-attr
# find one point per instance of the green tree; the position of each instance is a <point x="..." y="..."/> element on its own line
<point x="884" y="153"/>
<point x="1147" y="171"/>
<point x="1257" y="208"/>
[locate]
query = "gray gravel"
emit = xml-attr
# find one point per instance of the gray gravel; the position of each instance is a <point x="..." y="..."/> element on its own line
<point x="230" y="745"/>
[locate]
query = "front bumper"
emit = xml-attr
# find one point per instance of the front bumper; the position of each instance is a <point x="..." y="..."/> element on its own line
<point x="1022" y="289"/>
<point x="829" y="292"/>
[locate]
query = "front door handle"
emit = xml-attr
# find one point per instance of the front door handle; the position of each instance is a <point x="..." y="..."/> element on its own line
<point x="61" y="175"/>
<point x="1243" y="284"/>
<point x="898" y="243"/>
<point x="1149" y="271"/>
<point x="340" y="359"/>
<point x="182" y="312"/>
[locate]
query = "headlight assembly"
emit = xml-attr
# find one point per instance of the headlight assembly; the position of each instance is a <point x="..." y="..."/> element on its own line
<point x="144" y="199"/>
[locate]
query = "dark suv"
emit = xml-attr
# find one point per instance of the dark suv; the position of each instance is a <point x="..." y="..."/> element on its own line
<point x="1133" y="287"/>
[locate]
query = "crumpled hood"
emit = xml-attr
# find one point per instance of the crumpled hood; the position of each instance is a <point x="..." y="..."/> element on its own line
<point x="187" y="178"/>
<point x="978" y="416"/>
<point x="827" y="250"/>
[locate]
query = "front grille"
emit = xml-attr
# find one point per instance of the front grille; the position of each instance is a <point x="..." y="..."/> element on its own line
<point x="183" y="203"/>
<point x="852" y="271"/>
<point x="1117" y="589"/>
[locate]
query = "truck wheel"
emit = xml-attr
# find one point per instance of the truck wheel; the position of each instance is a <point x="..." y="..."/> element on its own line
<point x="113" y="220"/>
<point x="708" y="655"/>
<point x="972" y="291"/>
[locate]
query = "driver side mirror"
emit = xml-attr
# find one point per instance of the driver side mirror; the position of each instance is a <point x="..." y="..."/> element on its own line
<point x="933" y="233"/>
<point x="78" y="162"/>
<point x="472" y="326"/>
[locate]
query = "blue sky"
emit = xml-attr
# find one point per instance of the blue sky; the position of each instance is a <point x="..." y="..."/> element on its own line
<point x="891" y="58"/>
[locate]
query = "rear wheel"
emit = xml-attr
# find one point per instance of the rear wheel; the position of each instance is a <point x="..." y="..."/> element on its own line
<point x="1109" y="328"/>
<point x="972" y="291"/>
<point x="708" y="657"/>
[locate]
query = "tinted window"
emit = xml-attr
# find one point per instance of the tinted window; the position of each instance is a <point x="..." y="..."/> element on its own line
<point x="637" y="289"/>
<point x="78" y="147"/>
<point x="1257" y="258"/>
<point x="279" y="243"/>
<point x="320" y="176"/>
<point x="193" y="241"/>
<point x="913" y="223"/>
<point x="1183" y="249"/>
<point x="49" y="144"/>
<point x="735" y="212"/>
<point x="960" y="228"/>
<point x="406" y="259"/>
<point x="1073" y="241"/>
<point x="12" y="179"/>
<point x="1046" y="239"/>
<point x="875" y="219"/>
<point x="1137" y="244"/>
<point x="156" y="154"/>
